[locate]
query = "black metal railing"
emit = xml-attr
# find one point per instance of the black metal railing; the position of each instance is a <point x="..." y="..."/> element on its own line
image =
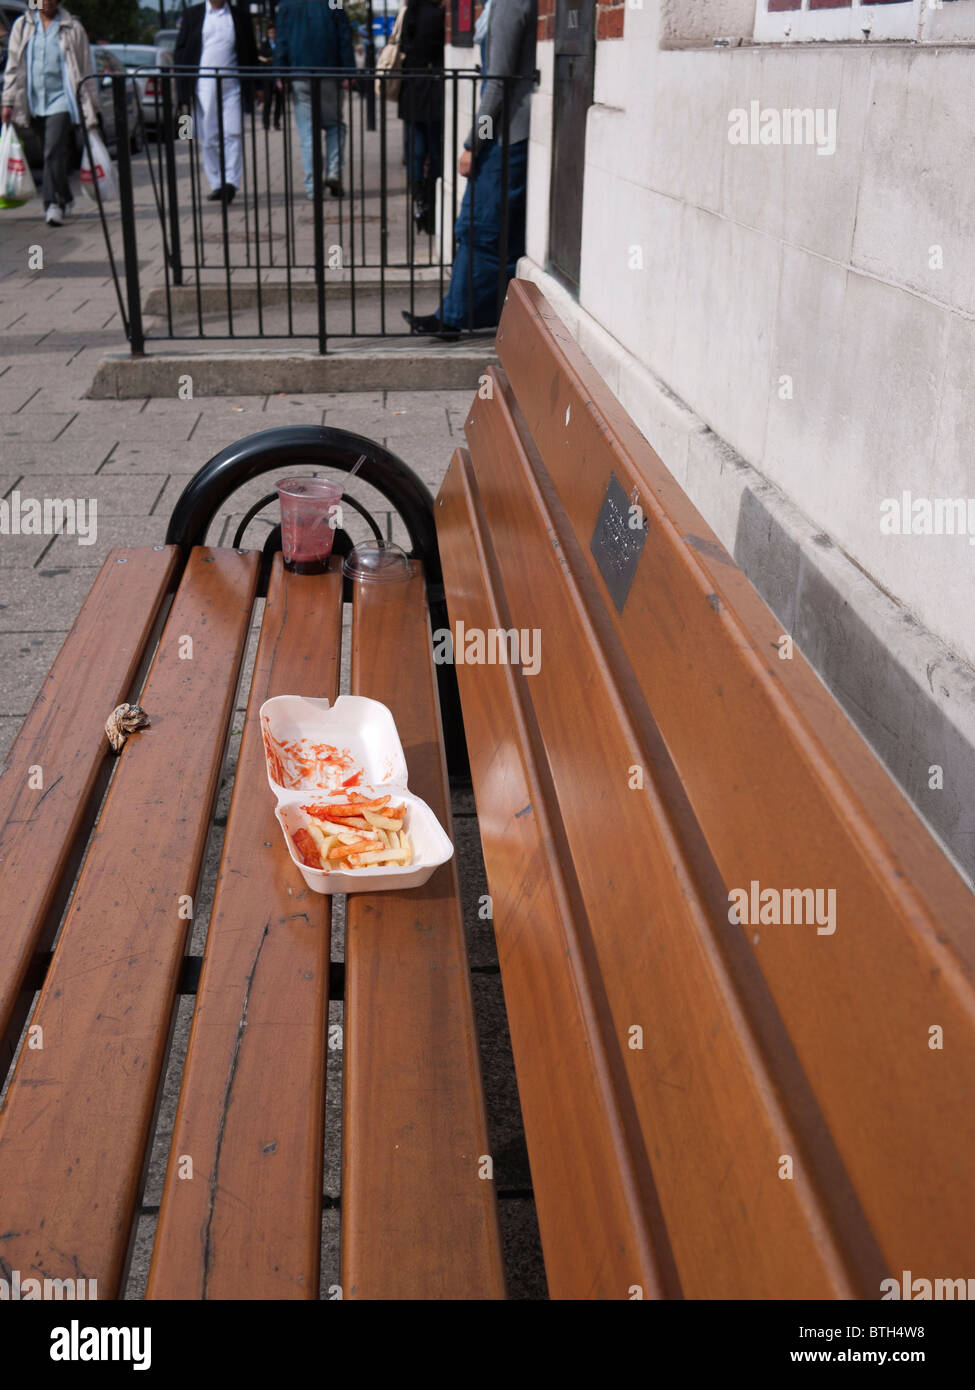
<point x="279" y="259"/>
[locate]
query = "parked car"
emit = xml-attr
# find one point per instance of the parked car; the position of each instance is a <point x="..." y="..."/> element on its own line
<point x="139" y="55"/>
<point x="106" y="63"/>
<point x="166" y="38"/>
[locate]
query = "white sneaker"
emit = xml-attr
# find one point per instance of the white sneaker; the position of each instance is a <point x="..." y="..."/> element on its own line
<point x="69" y="207"/>
<point x="54" y="216"/>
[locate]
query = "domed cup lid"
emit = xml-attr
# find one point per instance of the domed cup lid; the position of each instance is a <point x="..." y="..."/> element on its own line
<point x="375" y="563"/>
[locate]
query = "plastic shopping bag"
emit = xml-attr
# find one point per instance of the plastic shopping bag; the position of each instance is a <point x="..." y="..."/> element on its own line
<point x="16" y="179"/>
<point x="98" y="169"/>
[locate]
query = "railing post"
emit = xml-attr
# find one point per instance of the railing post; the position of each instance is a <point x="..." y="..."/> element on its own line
<point x="383" y="211"/>
<point x="169" y="134"/>
<point x="505" y="176"/>
<point x="318" y="194"/>
<point x="137" y="338"/>
<point x="371" y="69"/>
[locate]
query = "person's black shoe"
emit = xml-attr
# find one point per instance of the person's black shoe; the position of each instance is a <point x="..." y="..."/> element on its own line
<point x="425" y="218"/>
<point x="334" y="187"/>
<point x="216" y="195"/>
<point x="433" y="325"/>
<point x="223" y="194"/>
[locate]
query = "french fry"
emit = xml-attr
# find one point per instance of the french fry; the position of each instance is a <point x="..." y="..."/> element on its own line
<point x="341" y="851"/>
<point x="318" y="835"/>
<point x="380" y="822"/>
<point x="385" y="856"/>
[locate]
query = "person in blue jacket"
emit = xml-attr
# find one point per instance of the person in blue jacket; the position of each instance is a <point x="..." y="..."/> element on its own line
<point x="313" y="34"/>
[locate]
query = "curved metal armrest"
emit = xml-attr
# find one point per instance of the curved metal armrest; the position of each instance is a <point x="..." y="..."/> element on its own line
<point x="289" y="445"/>
<point x="283" y="448"/>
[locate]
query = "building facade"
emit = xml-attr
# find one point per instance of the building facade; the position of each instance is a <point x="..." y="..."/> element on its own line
<point x="757" y="216"/>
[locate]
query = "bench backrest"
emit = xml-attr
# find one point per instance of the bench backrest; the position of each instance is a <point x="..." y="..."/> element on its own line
<point x="719" y="1100"/>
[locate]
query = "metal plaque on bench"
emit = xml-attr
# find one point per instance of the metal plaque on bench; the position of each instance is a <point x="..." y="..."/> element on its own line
<point x="615" y="543"/>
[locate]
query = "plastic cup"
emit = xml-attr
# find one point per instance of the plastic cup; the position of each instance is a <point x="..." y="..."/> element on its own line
<point x="308" y="522"/>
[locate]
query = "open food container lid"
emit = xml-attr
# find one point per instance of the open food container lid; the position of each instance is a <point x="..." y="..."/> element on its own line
<point x="317" y="753"/>
<point x="375" y="563"/>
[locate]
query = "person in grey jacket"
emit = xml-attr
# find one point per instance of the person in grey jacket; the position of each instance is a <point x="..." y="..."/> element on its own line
<point x="471" y="300"/>
<point x="48" y="55"/>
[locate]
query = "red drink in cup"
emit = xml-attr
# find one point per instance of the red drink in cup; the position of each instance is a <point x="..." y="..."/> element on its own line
<point x="308" y="522"/>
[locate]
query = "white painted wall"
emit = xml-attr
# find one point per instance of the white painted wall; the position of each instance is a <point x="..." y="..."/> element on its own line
<point x="761" y="262"/>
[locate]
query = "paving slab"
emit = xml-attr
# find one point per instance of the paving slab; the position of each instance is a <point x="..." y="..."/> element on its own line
<point x="131" y="495"/>
<point x="111" y="532"/>
<point x="25" y="658"/>
<point x="42" y="600"/>
<point x="42" y="426"/>
<point x="82" y="456"/>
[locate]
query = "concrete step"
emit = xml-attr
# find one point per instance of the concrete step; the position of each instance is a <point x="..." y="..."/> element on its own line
<point x="253" y="369"/>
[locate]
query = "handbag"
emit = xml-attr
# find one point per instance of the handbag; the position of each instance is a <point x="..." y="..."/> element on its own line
<point x="391" y="60"/>
<point x="16" y="180"/>
<point x="99" y="170"/>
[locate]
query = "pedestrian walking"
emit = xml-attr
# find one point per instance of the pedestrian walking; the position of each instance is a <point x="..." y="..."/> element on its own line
<point x="220" y="35"/>
<point x="471" y="300"/>
<point x="421" y="104"/>
<point x="273" y="96"/>
<point x="316" y="34"/>
<point x="47" y="57"/>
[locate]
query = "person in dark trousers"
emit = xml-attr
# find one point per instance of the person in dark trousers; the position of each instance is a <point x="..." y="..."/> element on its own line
<point x="217" y="35"/>
<point x="471" y="300"/>
<point x="273" y="96"/>
<point x="421" y="104"/>
<point x="316" y="34"/>
<point x="48" y="56"/>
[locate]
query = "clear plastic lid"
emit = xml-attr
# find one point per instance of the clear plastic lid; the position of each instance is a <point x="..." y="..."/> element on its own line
<point x="373" y="563"/>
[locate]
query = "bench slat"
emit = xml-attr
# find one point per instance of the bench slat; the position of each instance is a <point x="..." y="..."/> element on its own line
<point x="584" y="1146"/>
<point x="252" y="1104"/>
<point x="78" y="1113"/>
<point x="706" y="1107"/>
<point x="42" y="829"/>
<point x="788" y="795"/>
<point x="417" y="1220"/>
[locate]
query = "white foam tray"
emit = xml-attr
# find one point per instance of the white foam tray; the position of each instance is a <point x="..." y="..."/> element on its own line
<point x="311" y="748"/>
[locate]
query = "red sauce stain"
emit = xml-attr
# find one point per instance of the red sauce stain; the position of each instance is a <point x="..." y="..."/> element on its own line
<point x="299" y="762"/>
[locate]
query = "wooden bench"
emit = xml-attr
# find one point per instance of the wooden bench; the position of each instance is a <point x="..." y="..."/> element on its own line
<point x="711" y="1109"/>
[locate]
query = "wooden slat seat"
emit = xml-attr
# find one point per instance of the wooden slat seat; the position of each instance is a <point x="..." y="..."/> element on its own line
<point x="79" y="1110"/>
<point x="252" y="1102"/>
<point x="782" y="1126"/>
<point x="44" y="819"/>
<point x="419" y="1216"/>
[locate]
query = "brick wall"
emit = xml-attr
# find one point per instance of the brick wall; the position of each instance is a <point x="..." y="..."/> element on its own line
<point x="609" y="19"/>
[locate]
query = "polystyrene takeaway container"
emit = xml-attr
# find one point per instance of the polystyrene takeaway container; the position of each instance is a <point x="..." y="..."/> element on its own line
<point x="315" y="750"/>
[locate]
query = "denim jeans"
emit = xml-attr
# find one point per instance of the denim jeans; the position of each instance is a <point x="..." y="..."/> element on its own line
<point x="331" y="107"/>
<point x="474" y="278"/>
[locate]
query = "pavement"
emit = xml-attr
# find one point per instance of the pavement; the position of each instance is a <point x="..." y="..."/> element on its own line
<point x="130" y="458"/>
